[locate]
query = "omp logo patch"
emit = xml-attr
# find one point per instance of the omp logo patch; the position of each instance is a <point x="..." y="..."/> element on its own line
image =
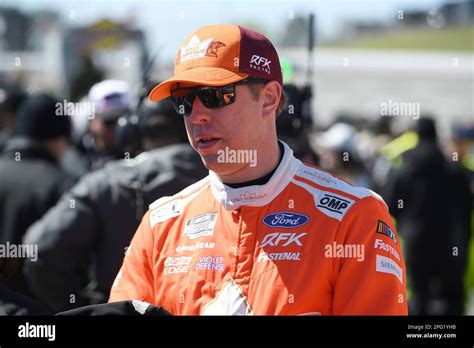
<point x="334" y="205"/>
<point x="200" y="226"/>
<point x="385" y="229"/>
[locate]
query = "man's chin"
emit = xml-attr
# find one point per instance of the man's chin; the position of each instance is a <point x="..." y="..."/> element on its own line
<point x="211" y="163"/>
<point x="222" y="170"/>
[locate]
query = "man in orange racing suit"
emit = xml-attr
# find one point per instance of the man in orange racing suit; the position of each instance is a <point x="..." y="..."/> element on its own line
<point x="263" y="233"/>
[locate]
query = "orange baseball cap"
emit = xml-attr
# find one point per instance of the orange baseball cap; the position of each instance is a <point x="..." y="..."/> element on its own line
<point x="218" y="55"/>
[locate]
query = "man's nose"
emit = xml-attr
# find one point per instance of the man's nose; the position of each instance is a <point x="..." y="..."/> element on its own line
<point x="200" y="114"/>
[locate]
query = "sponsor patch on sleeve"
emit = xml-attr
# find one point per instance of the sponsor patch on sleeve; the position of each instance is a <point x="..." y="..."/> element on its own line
<point x="387" y="265"/>
<point x="333" y="205"/>
<point x="165" y="212"/>
<point x="385" y="229"/>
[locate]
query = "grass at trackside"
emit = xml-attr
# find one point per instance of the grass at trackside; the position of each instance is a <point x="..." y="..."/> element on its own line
<point x="444" y="39"/>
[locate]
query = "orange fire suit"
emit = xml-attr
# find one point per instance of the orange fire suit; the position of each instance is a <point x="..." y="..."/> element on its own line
<point x="304" y="243"/>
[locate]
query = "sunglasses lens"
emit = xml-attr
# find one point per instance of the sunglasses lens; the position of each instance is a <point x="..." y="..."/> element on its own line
<point x="210" y="97"/>
<point x="215" y="97"/>
<point x="228" y="94"/>
<point x="183" y="100"/>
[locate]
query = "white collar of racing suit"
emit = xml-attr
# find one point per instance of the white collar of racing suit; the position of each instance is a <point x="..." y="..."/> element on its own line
<point x="256" y="195"/>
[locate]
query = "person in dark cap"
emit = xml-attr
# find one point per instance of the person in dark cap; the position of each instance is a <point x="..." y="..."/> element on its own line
<point x="31" y="179"/>
<point x="109" y="205"/>
<point x="430" y="198"/>
<point x="426" y="129"/>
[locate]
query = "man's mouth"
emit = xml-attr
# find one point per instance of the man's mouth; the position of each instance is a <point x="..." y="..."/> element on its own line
<point x="205" y="143"/>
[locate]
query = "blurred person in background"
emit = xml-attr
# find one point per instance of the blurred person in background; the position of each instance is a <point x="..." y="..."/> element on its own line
<point x="76" y="160"/>
<point x="31" y="179"/>
<point x="429" y="196"/>
<point x="462" y="145"/>
<point x="81" y="241"/>
<point x="338" y="153"/>
<point x="13" y="302"/>
<point x="294" y="124"/>
<point x="112" y="100"/>
<point x="382" y="135"/>
<point x="11" y="97"/>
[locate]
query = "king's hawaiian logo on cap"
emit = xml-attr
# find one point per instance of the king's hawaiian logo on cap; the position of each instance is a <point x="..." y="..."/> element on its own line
<point x="285" y="220"/>
<point x="197" y="48"/>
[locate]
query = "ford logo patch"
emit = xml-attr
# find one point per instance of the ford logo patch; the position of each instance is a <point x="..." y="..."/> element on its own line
<point x="285" y="220"/>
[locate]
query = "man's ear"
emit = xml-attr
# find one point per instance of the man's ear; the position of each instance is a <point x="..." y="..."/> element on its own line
<point x="271" y="94"/>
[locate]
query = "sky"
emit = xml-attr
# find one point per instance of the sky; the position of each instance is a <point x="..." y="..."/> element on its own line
<point x="166" y="22"/>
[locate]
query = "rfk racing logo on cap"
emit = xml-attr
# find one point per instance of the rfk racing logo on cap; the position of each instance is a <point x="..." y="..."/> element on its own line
<point x="200" y="226"/>
<point x="199" y="49"/>
<point x="260" y="64"/>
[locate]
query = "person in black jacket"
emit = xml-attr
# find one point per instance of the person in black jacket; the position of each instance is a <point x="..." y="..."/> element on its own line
<point x="430" y="199"/>
<point x="12" y="302"/>
<point x="31" y="180"/>
<point x="82" y="240"/>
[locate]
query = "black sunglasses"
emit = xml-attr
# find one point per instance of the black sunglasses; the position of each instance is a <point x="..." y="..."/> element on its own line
<point x="211" y="97"/>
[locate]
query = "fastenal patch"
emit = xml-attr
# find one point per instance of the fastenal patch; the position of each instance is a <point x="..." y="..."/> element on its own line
<point x="385" y="229"/>
<point x="263" y="256"/>
<point x="379" y="244"/>
<point x="200" y="226"/>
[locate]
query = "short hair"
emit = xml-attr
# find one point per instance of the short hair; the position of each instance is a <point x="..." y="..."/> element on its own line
<point x="256" y="90"/>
